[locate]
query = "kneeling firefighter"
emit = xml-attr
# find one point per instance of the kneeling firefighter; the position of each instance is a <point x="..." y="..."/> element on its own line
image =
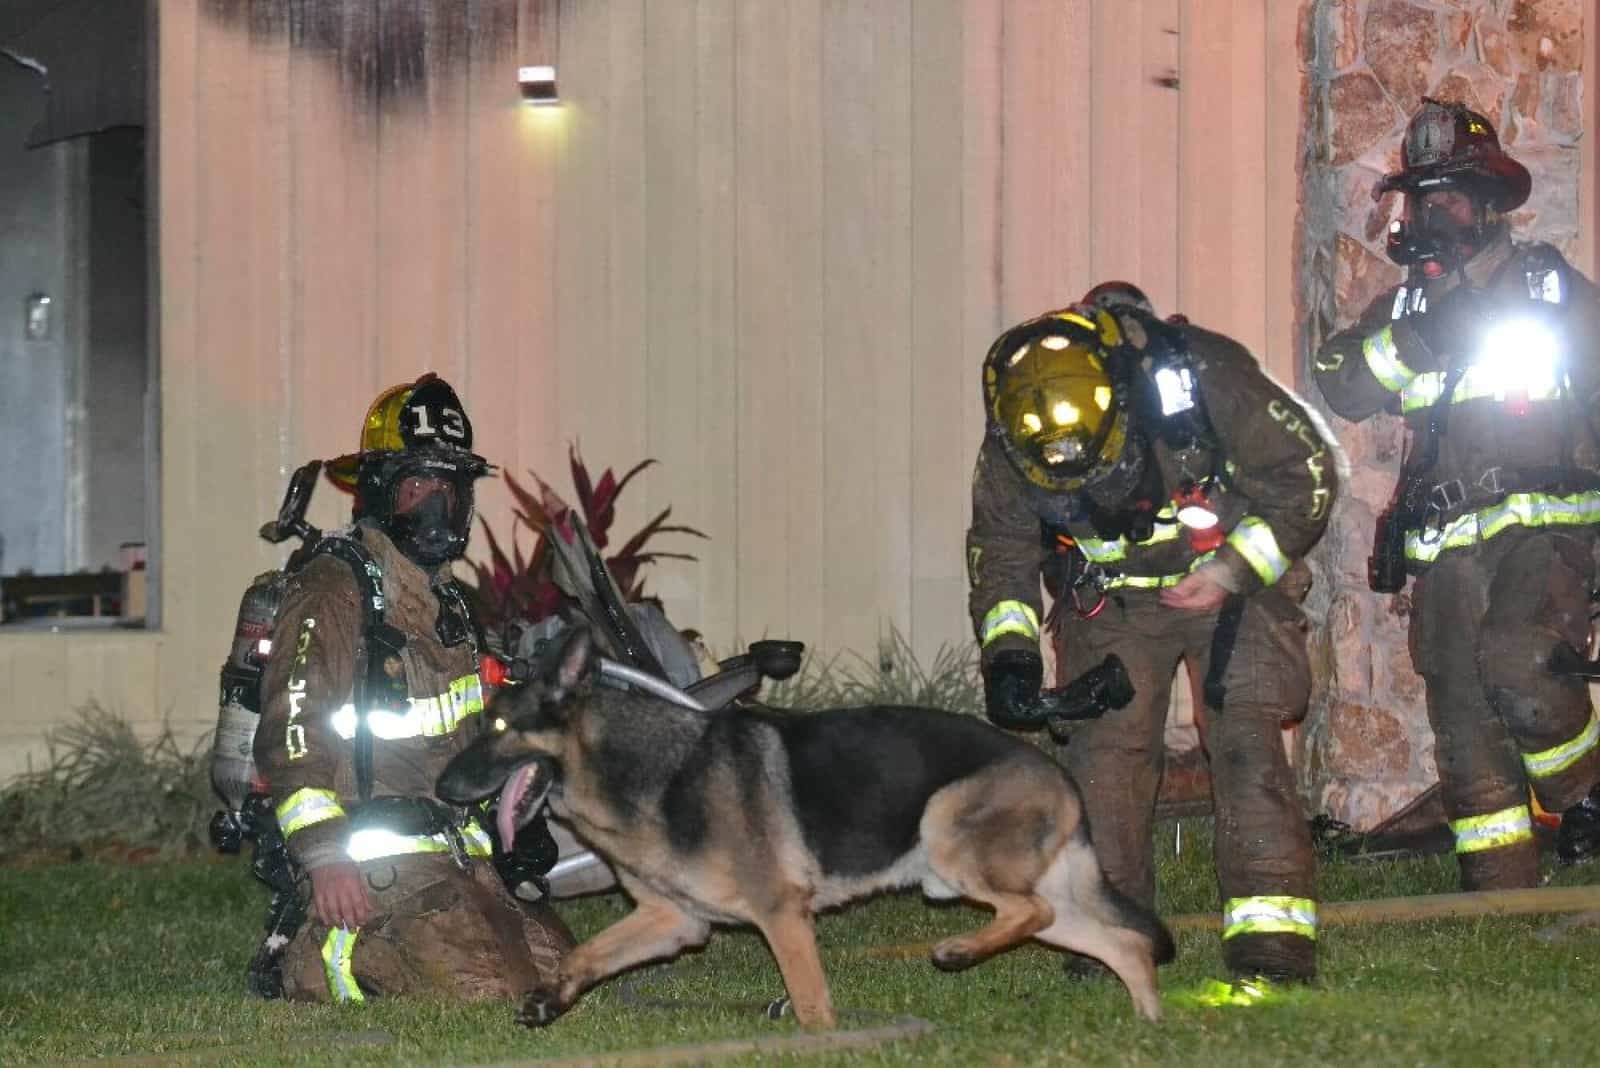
<point x="373" y="685"/>
<point x="1167" y="489"/>
<point x="1490" y="350"/>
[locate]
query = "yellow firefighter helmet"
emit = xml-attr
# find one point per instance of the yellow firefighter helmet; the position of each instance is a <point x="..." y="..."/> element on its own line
<point x="1051" y="400"/>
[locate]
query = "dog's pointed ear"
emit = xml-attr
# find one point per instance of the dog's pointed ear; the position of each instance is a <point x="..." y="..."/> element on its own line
<point x="575" y="663"/>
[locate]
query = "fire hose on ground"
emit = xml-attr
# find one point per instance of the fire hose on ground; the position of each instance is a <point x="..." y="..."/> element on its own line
<point x="1538" y="901"/>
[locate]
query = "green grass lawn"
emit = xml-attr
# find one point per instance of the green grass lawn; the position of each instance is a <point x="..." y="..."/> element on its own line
<point x="145" y="964"/>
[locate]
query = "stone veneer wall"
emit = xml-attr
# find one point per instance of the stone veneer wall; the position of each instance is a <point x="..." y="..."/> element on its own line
<point x="1368" y="748"/>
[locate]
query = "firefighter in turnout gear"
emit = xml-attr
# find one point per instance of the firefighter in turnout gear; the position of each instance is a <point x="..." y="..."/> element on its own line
<point x="1491" y="352"/>
<point x="1166" y="488"/>
<point x="377" y="689"/>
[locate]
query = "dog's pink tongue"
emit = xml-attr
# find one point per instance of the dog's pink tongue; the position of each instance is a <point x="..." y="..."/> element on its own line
<point x="505" y="820"/>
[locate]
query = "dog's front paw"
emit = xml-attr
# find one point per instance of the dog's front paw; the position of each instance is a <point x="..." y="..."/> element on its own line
<point x="541" y="1006"/>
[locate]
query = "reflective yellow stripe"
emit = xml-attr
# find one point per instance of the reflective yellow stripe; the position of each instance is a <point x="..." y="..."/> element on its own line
<point x="1383" y="358"/>
<point x="307" y="807"/>
<point x="1559" y="758"/>
<point x="1157" y="582"/>
<point x="1103" y="552"/>
<point x="337" y="950"/>
<point x="373" y="843"/>
<point x="1254" y="540"/>
<point x="1519" y="509"/>
<point x="1509" y="826"/>
<point x="1009" y="617"/>
<point x="1269" y="915"/>
<point x="1479" y="382"/>
<point x="425" y="717"/>
<point x="1107" y="552"/>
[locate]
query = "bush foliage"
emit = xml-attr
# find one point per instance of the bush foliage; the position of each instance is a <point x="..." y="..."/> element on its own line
<point x="101" y="783"/>
<point x="514" y="586"/>
<point x="896" y="677"/>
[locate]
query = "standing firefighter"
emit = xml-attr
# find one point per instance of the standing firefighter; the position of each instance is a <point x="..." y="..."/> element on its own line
<point x="376" y="689"/>
<point x="1166" y="487"/>
<point x="1491" y="350"/>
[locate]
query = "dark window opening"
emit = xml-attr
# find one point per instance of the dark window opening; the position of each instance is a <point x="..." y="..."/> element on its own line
<point x="78" y="380"/>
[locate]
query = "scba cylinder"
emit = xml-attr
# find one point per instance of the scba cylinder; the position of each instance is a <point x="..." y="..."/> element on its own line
<point x="233" y="768"/>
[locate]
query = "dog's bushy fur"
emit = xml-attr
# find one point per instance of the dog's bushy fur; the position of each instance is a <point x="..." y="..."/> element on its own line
<point x="763" y="818"/>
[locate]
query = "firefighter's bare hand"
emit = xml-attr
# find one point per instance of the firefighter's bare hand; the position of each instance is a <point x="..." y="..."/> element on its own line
<point x="1198" y="592"/>
<point x="339" y="897"/>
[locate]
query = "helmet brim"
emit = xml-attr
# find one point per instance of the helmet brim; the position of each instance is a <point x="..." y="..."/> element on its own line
<point x="341" y="470"/>
<point x="1512" y="180"/>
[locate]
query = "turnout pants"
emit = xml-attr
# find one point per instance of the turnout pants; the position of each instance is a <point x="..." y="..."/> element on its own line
<point x="1485" y="620"/>
<point x="1265" y="864"/>
<point x="438" y="930"/>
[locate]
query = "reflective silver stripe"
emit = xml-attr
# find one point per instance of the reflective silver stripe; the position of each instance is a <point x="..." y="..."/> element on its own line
<point x="373" y="843"/>
<point x="1009" y="617"/>
<point x="1103" y="552"/>
<point x="1519" y="509"/>
<point x="1492" y="830"/>
<point x="307" y="807"/>
<point x="1398" y="308"/>
<point x="337" y="950"/>
<point x="1423" y="390"/>
<point x="1269" y="914"/>
<point x="426" y="717"/>
<point x="1253" y="539"/>
<point x="1383" y="359"/>
<point x="1107" y="552"/>
<point x="1480" y="382"/>
<point x="1157" y="582"/>
<point x="1559" y="758"/>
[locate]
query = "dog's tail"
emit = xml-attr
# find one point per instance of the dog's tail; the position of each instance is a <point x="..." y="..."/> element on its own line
<point x="1116" y="908"/>
<point x="1138" y="918"/>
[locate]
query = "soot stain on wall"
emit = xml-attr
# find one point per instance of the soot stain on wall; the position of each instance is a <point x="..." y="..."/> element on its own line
<point x="390" y="53"/>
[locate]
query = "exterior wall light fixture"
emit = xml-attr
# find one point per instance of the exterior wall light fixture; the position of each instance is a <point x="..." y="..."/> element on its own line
<point x="538" y="85"/>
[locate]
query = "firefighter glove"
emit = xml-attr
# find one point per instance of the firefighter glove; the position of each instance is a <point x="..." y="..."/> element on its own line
<point x="1011" y="684"/>
<point x="1453" y="326"/>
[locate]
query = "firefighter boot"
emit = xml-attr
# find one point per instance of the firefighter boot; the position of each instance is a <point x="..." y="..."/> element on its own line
<point x="1278" y="957"/>
<point x="1579" y="837"/>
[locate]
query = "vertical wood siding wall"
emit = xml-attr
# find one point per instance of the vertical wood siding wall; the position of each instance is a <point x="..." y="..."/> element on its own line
<point x="765" y="242"/>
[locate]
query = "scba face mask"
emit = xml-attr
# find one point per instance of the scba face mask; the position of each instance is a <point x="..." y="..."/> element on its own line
<point x="428" y="505"/>
<point x="1442" y="229"/>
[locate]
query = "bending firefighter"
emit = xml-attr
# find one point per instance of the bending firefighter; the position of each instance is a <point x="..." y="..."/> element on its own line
<point x="1166" y="488"/>
<point x="376" y="686"/>
<point x="1491" y="351"/>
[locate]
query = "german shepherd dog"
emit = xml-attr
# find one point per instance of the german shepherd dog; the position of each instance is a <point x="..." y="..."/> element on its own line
<point x="763" y="817"/>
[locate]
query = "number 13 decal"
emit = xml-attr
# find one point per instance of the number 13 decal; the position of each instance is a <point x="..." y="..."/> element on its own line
<point x="452" y="424"/>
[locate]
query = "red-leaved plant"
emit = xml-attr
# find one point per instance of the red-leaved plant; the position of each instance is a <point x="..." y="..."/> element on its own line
<point x="517" y="587"/>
